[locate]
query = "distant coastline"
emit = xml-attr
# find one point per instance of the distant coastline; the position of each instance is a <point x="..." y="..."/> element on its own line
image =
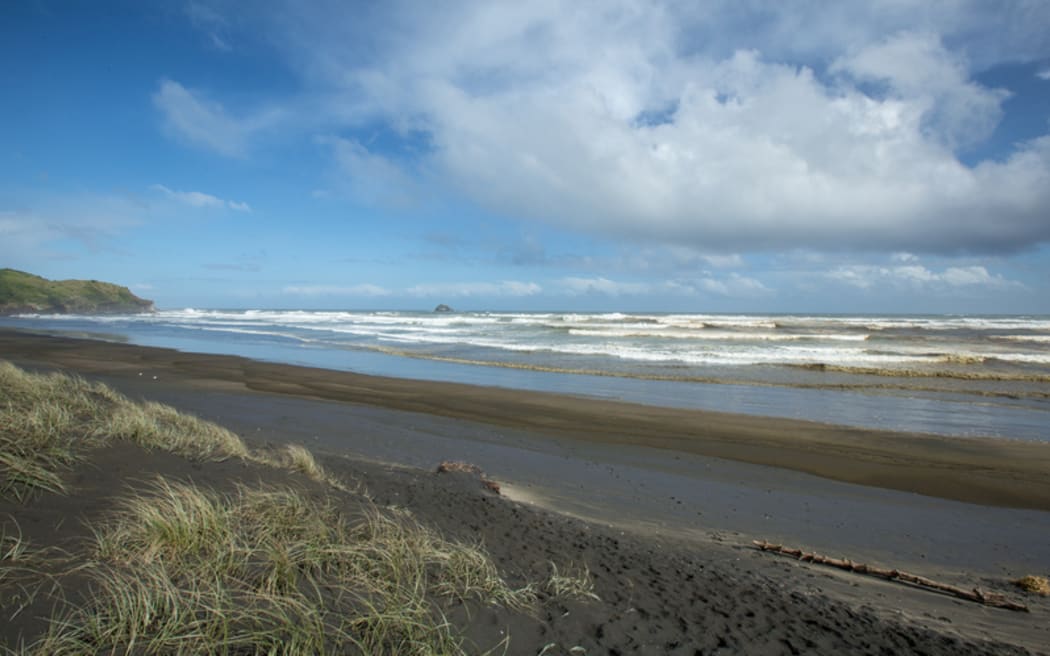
<point x="23" y="293"/>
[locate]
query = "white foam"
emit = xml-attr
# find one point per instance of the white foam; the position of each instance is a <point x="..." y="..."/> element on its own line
<point x="676" y="339"/>
<point x="713" y="335"/>
<point x="1039" y="339"/>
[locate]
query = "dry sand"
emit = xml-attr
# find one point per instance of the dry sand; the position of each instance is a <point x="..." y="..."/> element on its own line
<point x="673" y="496"/>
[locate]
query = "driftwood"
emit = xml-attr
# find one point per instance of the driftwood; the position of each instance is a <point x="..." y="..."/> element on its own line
<point x="987" y="598"/>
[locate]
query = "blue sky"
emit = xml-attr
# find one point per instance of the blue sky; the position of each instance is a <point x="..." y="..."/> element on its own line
<point x="694" y="156"/>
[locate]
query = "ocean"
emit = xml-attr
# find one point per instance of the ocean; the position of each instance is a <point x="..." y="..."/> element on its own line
<point x="949" y="375"/>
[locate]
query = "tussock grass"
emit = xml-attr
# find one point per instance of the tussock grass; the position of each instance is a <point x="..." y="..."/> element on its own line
<point x="573" y="583"/>
<point x="269" y="570"/>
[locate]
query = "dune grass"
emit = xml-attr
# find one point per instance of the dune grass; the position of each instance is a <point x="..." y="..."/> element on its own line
<point x="24" y="571"/>
<point x="47" y="422"/>
<point x="571" y="583"/>
<point x="38" y="418"/>
<point x="269" y="570"/>
<point x="177" y="569"/>
<point x="155" y="426"/>
<point x="297" y="458"/>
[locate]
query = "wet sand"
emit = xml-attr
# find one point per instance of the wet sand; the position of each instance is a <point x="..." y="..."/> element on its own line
<point x="994" y="472"/>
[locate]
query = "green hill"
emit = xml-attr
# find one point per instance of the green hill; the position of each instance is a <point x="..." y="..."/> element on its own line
<point x="22" y="292"/>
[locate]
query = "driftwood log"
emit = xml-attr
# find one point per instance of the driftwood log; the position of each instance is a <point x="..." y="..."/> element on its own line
<point x="976" y="594"/>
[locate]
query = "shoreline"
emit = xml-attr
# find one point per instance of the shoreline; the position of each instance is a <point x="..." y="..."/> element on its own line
<point x="950" y="407"/>
<point x="986" y="471"/>
<point x="650" y="515"/>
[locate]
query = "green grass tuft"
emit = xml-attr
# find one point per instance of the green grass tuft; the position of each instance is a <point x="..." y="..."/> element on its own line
<point x="186" y="570"/>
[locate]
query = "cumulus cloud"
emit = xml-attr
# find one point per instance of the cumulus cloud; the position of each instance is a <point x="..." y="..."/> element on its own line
<point x="1043" y="74"/>
<point x="721" y="126"/>
<point x="934" y="82"/>
<point x="642" y="123"/>
<point x="201" y="199"/>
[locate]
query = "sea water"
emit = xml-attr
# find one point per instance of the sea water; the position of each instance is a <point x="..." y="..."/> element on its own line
<point x="952" y="375"/>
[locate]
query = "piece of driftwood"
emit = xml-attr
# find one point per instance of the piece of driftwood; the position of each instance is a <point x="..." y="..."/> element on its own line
<point x="987" y="598"/>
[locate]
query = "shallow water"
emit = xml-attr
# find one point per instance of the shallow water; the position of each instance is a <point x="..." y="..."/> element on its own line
<point x="963" y="376"/>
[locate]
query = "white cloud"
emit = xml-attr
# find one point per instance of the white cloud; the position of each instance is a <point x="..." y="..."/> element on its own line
<point x="934" y="82"/>
<point x="988" y="33"/>
<point x="211" y="23"/>
<point x="575" y="286"/>
<point x="726" y="261"/>
<point x="1043" y="74"/>
<point x="66" y="227"/>
<point x="734" y="285"/>
<point x="506" y="288"/>
<point x="363" y="289"/>
<point x="664" y="123"/>
<point x="206" y="123"/>
<point x="201" y="199"/>
<point x="371" y="177"/>
<point x="679" y="258"/>
<point x="919" y="278"/>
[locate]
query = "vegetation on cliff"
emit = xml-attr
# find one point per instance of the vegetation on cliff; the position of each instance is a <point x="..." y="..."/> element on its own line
<point x="22" y="292"/>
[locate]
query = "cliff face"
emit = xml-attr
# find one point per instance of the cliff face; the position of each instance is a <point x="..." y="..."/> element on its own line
<point x="22" y="292"/>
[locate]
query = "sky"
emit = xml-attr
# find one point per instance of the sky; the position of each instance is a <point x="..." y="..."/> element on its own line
<point x="702" y="156"/>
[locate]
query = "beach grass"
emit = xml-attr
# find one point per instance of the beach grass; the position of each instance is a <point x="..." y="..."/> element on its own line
<point x="297" y="458"/>
<point x="24" y="571"/>
<point x="571" y="582"/>
<point x="177" y="568"/>
<point x="48" y="421"/>
<point x="268" y="569"/>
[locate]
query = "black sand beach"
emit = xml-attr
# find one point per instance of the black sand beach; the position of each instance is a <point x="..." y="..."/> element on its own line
<point x="669" y="499"/>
